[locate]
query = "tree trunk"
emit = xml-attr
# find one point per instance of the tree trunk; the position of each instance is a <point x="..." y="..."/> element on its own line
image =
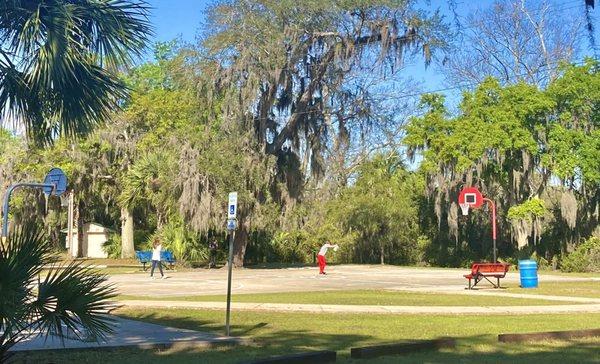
<point x="239" y="245"/>
<point x="381" y="253"/>
<point x="55" y="236"/>
<point x="127" y="243"/>
<point x="79" y="229"/>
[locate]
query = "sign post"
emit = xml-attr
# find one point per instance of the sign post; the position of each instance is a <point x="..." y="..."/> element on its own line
<point x="231" y="226"/>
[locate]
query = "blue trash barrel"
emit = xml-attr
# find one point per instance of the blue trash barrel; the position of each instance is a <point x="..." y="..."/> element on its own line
<point x="528" y="273"/>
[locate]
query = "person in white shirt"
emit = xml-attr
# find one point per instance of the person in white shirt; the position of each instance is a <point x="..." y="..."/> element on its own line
<point x="156" y="258"/>
<point x="321" y="256"/>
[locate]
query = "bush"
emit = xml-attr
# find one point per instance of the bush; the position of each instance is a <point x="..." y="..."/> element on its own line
<point x="542" y="262"/>
<point x="112" y="246"/>
<point x="292" y="247"/>
<point x="187" y="245"/>
<point x="528" y="252"/>
<point x="419" y="254"/>
<point x="585" y="258"/>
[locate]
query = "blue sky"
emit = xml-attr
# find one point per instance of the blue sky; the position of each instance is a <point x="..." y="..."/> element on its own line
<point x="185" y="19"/>
<point x="173" y="18"/>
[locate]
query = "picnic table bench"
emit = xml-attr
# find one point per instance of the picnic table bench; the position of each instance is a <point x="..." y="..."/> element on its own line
<point x="483" y="270"/>
<point x="145" y="257"/>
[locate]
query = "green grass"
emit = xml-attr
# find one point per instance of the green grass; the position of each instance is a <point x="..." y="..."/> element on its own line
<point x="574" y="289"/>
<point x="282" y="333"/>
<point x="569" y="274"/>
<point x="473" y="350"/>
<point x="375" y="297"/>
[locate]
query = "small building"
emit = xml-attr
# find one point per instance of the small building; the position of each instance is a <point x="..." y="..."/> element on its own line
<point x="94" y="236"/>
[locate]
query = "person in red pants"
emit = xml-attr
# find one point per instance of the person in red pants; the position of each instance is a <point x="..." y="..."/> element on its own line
<point x="321" y="256"/>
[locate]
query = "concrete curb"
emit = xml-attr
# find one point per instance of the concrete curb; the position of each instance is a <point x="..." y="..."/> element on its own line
<point x="550" y="335"/>
<point x="369" y="352"/>
<point x="179" y="345"/>
<point x="313" y="308"/>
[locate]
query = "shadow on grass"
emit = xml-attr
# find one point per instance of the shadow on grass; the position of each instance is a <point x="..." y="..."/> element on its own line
<point x="485" y="349"/>
<point x="268" y="341"/>
<point x="261" y="333"/>
<point x="469" y="350"/>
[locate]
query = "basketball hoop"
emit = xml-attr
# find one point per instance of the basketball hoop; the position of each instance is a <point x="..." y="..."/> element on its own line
<point x="464" y="207"/>
<point x="469" y="197"/>
<point x="472" y="197"/>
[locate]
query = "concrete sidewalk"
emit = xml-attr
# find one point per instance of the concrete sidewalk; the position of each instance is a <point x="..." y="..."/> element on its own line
<point x="132" y="333"/>
<point x="286" y="307"/>
<point x="498" y="293"/>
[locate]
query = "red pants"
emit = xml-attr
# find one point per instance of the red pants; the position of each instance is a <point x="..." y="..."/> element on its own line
<point x="322" y="263"/>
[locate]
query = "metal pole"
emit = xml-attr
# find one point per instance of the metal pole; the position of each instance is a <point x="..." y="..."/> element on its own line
<point x="5" y="212"/>
<point x="70" y="223"/>
<point x="230" y="266"/>
<point x="493" y="227"/>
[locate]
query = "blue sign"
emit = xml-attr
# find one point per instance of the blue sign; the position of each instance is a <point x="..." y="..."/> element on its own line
<point x="232" y="210"/>
<point x="231" y="224"/>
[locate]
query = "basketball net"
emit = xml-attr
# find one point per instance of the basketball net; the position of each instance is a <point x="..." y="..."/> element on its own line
<point x="464" y="207"/>
<point x="64" y="200"/>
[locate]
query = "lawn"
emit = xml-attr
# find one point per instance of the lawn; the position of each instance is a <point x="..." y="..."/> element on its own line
<point x="281" y="333"/>
<point x="569" y="274"/>
<point x="575" y="289"/>
<point x="374" y="297"/>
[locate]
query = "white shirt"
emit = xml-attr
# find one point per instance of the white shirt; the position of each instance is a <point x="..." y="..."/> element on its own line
<point x="156" y="252"/>
<point x="324" y="248"/>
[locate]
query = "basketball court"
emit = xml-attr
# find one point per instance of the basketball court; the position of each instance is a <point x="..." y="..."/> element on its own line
<point x="340" y="277"/>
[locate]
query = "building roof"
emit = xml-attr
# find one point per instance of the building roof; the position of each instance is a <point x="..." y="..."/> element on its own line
<point x="98" y="226"/>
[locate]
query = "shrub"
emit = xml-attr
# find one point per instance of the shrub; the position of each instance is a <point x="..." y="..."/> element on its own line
<point x="178" y="238"/>
<point x="585" y="258"/>
<point x="419" y="254"/>
<point x="112" y="247"/>
<point x="292" y="247"/>
<point x="542" y="262"/>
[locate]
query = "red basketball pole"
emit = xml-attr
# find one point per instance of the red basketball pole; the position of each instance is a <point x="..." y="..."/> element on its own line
<point x="493" y="225"/>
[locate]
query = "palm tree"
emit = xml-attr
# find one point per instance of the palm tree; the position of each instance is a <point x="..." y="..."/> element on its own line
<point x="70" y="300"/>
<point x="59" y="61"/>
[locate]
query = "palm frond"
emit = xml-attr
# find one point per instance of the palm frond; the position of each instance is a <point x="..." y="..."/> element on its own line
<point x="72" y="297"/>
<point x="76" y="298"/>
<point x="22" y="258"/>
<point x="58" y="71"/>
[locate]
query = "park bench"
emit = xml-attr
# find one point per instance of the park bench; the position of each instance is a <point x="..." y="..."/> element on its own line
<point x="481" y="271"/>
<point x="145" y="257"/>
